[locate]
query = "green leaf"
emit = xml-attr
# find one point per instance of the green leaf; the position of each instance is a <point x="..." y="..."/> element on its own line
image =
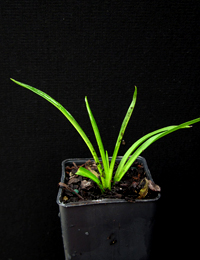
<point x="99" y="142"/>
<point x="135" y="145"/>
<point x="86" y="173"/>
<point x="120" y="137"/>
<point x="65" y="113"/>
<point x="107" y="158"/>
<point x="148" y="143"/>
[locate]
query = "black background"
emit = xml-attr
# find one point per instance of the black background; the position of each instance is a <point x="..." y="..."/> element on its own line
<point x="101" y="49"/>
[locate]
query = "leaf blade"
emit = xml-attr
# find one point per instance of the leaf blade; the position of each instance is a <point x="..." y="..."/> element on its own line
<point x="65" y="113"/>
<point x="149" y="142"/>
<point x="88" y="174"/>
<point x="137" y="144"/>
<point x="99" y="141"/>
<point x="121" y="134"/>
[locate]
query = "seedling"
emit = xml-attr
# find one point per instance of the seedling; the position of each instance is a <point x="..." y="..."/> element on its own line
<point x="105" y="169"/>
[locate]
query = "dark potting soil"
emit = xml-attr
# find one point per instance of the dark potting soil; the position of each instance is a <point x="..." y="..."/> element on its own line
<point x="133" y="185"/>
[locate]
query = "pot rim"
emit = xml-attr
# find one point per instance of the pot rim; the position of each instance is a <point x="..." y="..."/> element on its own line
<point x="102" y="201"/>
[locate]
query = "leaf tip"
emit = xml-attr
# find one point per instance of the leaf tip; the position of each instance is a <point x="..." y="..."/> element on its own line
<point x="135" y="92"/>
<point x="15" y="81"/>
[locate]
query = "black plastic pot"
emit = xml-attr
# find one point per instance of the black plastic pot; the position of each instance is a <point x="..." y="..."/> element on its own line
<point x="109" y="228"/>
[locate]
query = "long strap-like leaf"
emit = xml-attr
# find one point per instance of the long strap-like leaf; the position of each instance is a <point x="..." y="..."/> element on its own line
<point x="135" y="146"/>
<point x="99" y="142"/>
<point x="66" y="114"/>
<point x="149" y="142"/>
<point x="120" y="137"/>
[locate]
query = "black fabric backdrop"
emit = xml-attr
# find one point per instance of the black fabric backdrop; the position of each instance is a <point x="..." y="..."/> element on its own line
<point x="101" y="49"/>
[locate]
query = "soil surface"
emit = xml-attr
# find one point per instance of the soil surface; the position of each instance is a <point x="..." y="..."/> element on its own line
<point x="134" y="185"/>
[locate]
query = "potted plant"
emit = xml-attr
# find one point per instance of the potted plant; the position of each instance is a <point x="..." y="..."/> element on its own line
<point x="98" y="221"/>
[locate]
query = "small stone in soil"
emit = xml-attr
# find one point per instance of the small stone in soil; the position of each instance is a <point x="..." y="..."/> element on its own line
<point x="86" y="184"/>
<point x="65" y="198"/>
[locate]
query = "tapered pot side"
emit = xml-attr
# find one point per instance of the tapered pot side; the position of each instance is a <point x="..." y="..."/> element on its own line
<point x="107" y="228"/>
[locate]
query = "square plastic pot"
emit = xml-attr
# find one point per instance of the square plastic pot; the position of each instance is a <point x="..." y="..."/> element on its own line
<point x="108" y="228"/>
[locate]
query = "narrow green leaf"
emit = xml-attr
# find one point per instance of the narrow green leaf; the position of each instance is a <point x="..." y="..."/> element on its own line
<point x="99" y="142"/>
<point x="86" y="173"/>
<point x="136" y="145"/>
<point x="149" y="142"/>
<point x="120" y="136"/>
<point x="107" y="158"/>
<point x="65" y="113"/>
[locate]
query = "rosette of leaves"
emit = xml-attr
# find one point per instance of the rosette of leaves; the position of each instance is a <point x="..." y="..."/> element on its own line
<point x="105" y="169"/>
